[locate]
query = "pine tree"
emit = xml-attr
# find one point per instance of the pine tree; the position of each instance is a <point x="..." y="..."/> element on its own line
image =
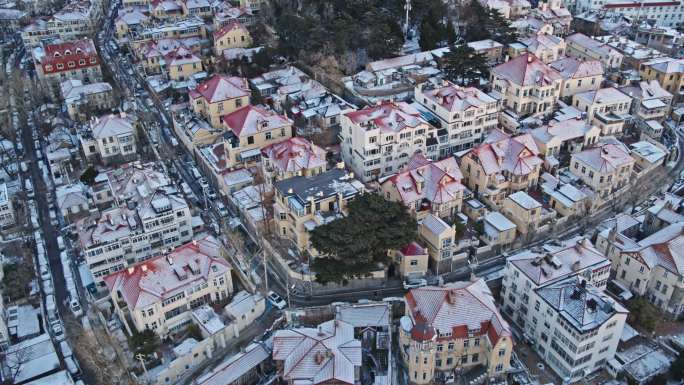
<point x="462" y="65"/>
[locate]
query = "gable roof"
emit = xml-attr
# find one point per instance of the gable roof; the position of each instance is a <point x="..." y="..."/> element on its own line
<point x="502" y="152"/>
<point x="220" y="87"/>
<point x="327" y="354"/>
<point x="387" y="116"/>
<point x="111" y="125"/>
<point x="455" y="98"/>
<point x="294" y="154"/>
<point x="233" y="25"/>
<point x="164" y="276"/>
<point x="249" y="120"/>
<point x="574" y="68"/>
<point x="526" y="70"/>
<point x="458" y="308"/>
<point x="605" y="158"/>
<point x="663" y="248"/>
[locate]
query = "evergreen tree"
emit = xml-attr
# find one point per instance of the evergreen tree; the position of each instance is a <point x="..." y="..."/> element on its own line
<point x="462" y="65"/>
<point x="354" y="245"/>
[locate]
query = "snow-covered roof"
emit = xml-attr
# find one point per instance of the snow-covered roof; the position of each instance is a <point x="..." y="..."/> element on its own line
<point x="321" y="186"/>
<point x="236" y="366"/>
<point x="501" y="152"/>
<point x="604" y="158"/>
<point x="423" y="180"/>
<point x="151" y="281"/>
<point x="329" y="353"/>
<point x="387" y="116"/>
<point x="459" y="308"/>
<point x="524" y="200"/>
<point x="250" y="120"/>
<point x="574" y="68"/>
<point x="294" y="154"/>
<point x="365" y="315"/>
<point x="111" y="125"/>
<point x="608" y="95"/>
<point x="458" y="99"/>
<point x="526" y="70"/>
<point x="546" y="266"/>
<point x="498" y="221"/>
<point x="663" y="248"/>
<point x="648" y="151"/>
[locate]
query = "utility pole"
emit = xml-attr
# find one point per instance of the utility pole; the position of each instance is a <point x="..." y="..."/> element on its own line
<point x="141" y="358"/>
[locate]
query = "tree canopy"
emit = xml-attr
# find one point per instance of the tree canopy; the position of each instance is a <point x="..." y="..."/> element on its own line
<point x="487" y="23"/>
<point x="353" y="246"/>
<point x="462" y="65"/>
<point x="88" y="176"/>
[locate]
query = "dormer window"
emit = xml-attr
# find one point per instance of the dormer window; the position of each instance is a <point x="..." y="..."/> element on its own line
<point x="57" y="54"/>
<point x="71" y="64"/>
<point x="78" y="50"/>
<point x="48" y="68"/>
<point x="81" y="62"/>
<point x="93" y="60"/>
<point x="60" y="66"/>
<point x="67" y="52"/>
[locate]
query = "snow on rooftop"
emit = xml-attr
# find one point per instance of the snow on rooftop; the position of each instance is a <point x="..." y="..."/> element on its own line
<point x="524" y="200"/>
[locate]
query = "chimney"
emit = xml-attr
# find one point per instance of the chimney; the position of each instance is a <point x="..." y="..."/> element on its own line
<point x="131" y="269"/>
<point x="143" y="268"/>
<point x="530" y="59"/>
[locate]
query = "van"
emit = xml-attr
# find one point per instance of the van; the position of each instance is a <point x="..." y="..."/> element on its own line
<point x="60" y="240"/>
<point x="29" y="188"/>
<point x="75" y="307"/>
<point x="195" y="173"/>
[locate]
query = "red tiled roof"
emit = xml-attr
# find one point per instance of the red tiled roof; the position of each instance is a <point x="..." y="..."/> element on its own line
<point x="294" y="154"/>
<point x="220" y="87"/>
<point x="249" y="120"/>
<point x="526" y="70"/>
<point x="233" y="25"/>
<point x="412" y="249"/>
<point x="72" y="55"/>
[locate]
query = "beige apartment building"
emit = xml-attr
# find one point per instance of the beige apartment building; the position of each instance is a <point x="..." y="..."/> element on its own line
<point x="583" y="47"/>
<point x="650" y="268"/>
<point x="498" y="230"/>
<point x="379" y="140"/>
<point x="527" y="85"/>
<point x="650" y="103"/>
<point x="249" y="129"/>
<point x="451" y="328"/>
<point x="606" y="108"/>
<point x="231" y="35"/>
<point x="605" y="168"/>
<point x="427" y="187"/>
<point x="81" y="100"/>
<point x="303" y="203"/>
<point x="524" y="211"/>
<point x="160" y="293"/>
<point x="579" y="75"/>
<point x="110" y="139"/>
<point x="219" y="95"/>
<point x="466" y="115"/>
<point x="501" y="165"/>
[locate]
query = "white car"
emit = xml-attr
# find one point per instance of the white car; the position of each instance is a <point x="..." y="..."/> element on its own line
<point x="58" y="330"/>
<point x="276" y="300"/>
<point x="415" y="283"/>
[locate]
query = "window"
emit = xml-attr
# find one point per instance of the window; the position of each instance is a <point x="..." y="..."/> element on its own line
<point x="414" y="262"/>
<point x="440" y="347"/>
<point x="475" y="358"/>
<point x="250" y="140"/>
<point x="502" y="352"/>
<point x="268" y="136"/>
<point x="499" y="368"/>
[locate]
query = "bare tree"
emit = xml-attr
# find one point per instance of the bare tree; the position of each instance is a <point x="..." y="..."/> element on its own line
<point x="13" y="362"/>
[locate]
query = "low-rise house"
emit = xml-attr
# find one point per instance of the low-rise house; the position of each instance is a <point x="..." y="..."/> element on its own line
<point x="558" y="139"/>
<point x="524" y="211"/>
<point x="498" y="230"/>
<point x="547" y="48"/>
<point x="241" y="368"/>
<point x="653" y="268"/>
<point x="82" y="100"/>
<point x="190" y="27"/>
<point x="566" y="199"/>
<point x="647" y="156"/>
<point x="501" y="165"/>
<point x="554" y="13"/>
<point x="583" y="47"/>
<point x="250" y="129"/>
<point x="129" y="22"/>
<point x="225" y="13"/>
<point x="427" y="187"/>
<point x="578" y="75"/>
<point x="310" y="354"/>
<point x="650" y="104"/>
<point x="466" y="114"/>
<point x="58" y="62"/>
<point x="110" y="139"/>
<point x="634" y="54"/>
<point x="493" y="50"/>
<point x="453" y="326"/>
<point x="668" y="72"/>
<point x="231" y="35"/>
<point x="217" y="96"/>
<point x="158" y="294"/>
<point x="181" y="64"/>
<point x="245" y="308"/>
<point x="306" y="98"/>
<point x="73" y="201"/>
<point x="412" y="260"/>
<point x="292" y="157"/>
<point x="605" y="168"/>
<point x="7" y="217"/>
<point x="527" y="85"/>
<point x="303" y="203"/>
<point x="606" y="108"/>
<point x="379" y="140"/>
<point x="439" y="239"/>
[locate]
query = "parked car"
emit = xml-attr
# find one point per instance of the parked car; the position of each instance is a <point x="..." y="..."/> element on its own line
<point x="58" y="330"/>
<point x="415" y="283"/>
<point x="75" y="307"/>
<point x="276" y="300"/>
<point x="66" y="349"/>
